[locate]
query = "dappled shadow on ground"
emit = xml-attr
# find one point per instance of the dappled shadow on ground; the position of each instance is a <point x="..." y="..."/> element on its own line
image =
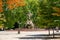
<point x="44" y="34"/>
<point x="40" y="36"/>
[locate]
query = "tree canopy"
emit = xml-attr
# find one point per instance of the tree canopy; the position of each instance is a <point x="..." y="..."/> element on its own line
<point x="45" y="12"/>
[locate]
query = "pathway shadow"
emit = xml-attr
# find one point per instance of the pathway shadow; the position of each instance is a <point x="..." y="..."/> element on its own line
<point x="44" y="34"/>
<point x="40" y="36"/>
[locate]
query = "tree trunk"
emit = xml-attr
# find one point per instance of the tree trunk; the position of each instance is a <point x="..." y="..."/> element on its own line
<point x="53" y="33"/>
<point x="49" y="31"/>
<point x="18" y="30"/>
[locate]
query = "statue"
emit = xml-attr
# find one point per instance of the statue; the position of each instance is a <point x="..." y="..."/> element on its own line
<point x="29" y="21"/>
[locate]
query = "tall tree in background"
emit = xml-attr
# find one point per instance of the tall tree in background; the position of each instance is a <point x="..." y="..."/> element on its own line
<point x="44" y="11"/>
<point x="49" y="12"/>
<point x="10" y="9"/>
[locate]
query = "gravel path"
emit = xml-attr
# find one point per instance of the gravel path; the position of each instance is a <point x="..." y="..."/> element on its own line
<point x="28" y="35"/>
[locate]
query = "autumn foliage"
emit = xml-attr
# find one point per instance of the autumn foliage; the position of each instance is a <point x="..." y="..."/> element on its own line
<point x="1" y="6"/>
<point x="15" y="3"/>
<point x="12" y="4"/>
<point x="57" y="10"/>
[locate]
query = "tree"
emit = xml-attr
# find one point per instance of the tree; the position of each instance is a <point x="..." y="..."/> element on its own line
<point x="48" y="8"/>
<point x="10" y="10"/>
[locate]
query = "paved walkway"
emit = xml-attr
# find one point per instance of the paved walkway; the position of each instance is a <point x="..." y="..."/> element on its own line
<point x="28" y="35"/>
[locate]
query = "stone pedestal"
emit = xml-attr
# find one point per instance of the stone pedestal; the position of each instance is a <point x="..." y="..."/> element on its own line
<point x="30" y="23"/>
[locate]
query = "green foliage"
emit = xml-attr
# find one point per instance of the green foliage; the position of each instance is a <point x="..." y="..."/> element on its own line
<point x="42" y="13"/>
<point x="47" y="11"/>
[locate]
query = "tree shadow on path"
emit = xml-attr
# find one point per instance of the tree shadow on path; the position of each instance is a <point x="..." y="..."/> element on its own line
<point x="40" y="36"/>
